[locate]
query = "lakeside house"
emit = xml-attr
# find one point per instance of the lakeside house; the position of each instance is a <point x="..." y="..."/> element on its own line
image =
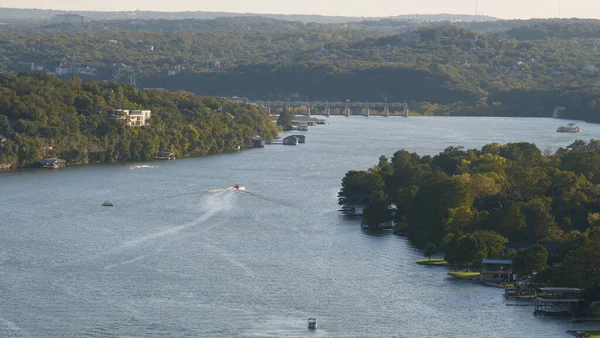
<point x="52" y="163"/>
<point x="135" y="118"/>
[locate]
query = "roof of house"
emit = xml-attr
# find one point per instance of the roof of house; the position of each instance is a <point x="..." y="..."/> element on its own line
<point x="550" y="246"/>
<point x="559" y="289"/>
<point x="497" y="261"/>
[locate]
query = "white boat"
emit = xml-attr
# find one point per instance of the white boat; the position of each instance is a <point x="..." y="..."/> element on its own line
<point x="569" y="128"/>
<point x="312" y="323"/>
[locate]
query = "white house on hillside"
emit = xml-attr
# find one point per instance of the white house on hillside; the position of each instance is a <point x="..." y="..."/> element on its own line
<point x="135" y="118"/>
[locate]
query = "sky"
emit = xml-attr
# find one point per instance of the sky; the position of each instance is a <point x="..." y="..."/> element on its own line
<point x="505" y="9"/>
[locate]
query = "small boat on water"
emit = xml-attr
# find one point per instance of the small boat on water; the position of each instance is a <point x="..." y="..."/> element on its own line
<point x="312" y="323"/>
<point x="107" y="203"/>
<point x="569" y="128"/>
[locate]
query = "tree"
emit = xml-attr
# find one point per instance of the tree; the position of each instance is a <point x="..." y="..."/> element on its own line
<point x="465" y="249"/>
<point x="430" y="250"/>
<point x="377" y="211"/>
<point x="285" y="119"/>
<point x="540" y="222"/>
<point x="459" y="219"/>
<point x="583" y="262"/>
<point x="508" y="221"/>
<point x="493" y="242"/>
<point x="531" y="260"/>
<point x="358" y="186"/>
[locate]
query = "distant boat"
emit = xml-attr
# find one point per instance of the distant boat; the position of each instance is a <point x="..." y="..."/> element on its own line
<point x="107" y="203"/>
<point x="236" y="187"/>
<point x="312" y="323"/>
<point x="569" y="128"/>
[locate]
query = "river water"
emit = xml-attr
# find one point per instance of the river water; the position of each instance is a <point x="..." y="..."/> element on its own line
<point x="178" y="255"/>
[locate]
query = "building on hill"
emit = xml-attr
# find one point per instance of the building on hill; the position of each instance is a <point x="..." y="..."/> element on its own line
<point x="139" y="118"/>
<point x="70" y="18"/>
<point x="134" y="118"/>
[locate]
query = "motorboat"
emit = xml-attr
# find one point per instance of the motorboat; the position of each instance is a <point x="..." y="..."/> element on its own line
<point x="107" y="203"/>
<point x="569" y="128"/>
<point x="312" y="323"/>
<point x="236" y="187"/>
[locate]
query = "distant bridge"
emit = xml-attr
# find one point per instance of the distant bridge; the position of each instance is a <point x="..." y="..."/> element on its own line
<point x="347" y="108"/>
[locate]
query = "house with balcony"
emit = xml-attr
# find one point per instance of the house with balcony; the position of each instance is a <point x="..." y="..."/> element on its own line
<point x="134" y="118"/>
<point x="139" y="118"/>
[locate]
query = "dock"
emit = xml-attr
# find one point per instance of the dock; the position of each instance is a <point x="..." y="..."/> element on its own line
<point x="585" y="320"/>
<point x="583" y="333"/>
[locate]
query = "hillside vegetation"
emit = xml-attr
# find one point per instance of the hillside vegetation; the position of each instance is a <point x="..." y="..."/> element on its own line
<point x="518" y="68"/>
<point x="43" y="116"/>
<point x="472" y="203"/>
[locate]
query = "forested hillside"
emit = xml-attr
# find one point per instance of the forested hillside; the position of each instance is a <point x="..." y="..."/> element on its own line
<point x="43" y="116"/>
<point x="516" y="68"/>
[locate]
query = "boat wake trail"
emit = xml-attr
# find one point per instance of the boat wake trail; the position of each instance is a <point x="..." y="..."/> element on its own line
<point x="211" y="205"/>
<point x="12" y="327"/>
<point x="142" y="166"/>
<point x="275" y="201"/>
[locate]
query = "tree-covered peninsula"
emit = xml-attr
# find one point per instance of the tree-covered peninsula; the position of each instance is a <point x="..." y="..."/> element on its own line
<point x="472" y="203"/>
<point x="44" y="116"/>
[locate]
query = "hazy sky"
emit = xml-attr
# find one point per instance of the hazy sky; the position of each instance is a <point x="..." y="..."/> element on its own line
<point x="498" y="8"/>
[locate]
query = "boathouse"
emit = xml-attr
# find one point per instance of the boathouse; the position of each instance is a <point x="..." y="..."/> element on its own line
<point x="258" y="142"/>
<point x="496" y="270"/>
<point x="304" y="120"/>
<point x="52" y="163"/>
<point x="557" y="301"/>
<point x="290" y="140"/>
<point x="165" y="155"/>
<point x="521" y="290"/>
<point x="301" y="138"/>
